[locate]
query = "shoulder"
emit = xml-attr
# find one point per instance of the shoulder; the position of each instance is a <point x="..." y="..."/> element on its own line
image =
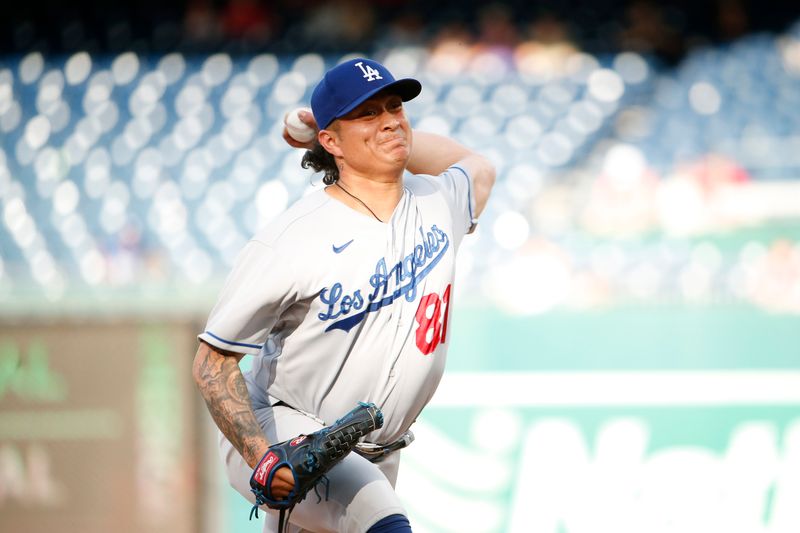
<point x="457" y="170"/>
<point x="421" y="183"/>
<point x="425" y="184"/>
<point x="309" y="211"/>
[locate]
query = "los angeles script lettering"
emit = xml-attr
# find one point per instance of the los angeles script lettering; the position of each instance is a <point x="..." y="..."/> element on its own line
<point x="402" y="274"/>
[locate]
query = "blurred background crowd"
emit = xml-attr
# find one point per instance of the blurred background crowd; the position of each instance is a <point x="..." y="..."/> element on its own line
<point x="136" y="137"/>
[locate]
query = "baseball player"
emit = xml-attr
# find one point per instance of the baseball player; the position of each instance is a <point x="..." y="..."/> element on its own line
<point x="344" y="298"/>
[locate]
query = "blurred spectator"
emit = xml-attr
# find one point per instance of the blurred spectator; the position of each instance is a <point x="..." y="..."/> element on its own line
<point x="496" y="27"/>
<point x="497" y="36"/>
<point x="544" y="52"/>
<point x="451" y="49"/>
<point x="248" y="21"/>
<point x="405" y="29"/>
<point x="713" y="171"/>
<point x="548" y="29"/>
<point x="340" y="24"/>
<point x="649" y="30"/>
<point x="202" y="27"/>
<point x="732" y="20"/>
<point x="452" y="31"/>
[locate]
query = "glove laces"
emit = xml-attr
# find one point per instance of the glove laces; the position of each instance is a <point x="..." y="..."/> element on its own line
<point x="284" y="514"/>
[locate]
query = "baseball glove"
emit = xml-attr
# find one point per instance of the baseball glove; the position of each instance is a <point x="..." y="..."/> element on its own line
<point x="310" y="456"/>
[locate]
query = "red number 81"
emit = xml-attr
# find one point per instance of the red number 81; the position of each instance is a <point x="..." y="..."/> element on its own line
<point x="431" y="330"/>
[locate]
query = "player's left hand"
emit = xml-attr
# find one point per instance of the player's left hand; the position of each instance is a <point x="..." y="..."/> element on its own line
<point x="282" y="483"/>
<point x="291" y="468"/>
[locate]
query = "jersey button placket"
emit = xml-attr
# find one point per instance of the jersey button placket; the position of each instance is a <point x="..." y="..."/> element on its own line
<point x="394" y="249"/>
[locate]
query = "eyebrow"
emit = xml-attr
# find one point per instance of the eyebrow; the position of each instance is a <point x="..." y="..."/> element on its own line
<point x="377" y="101"/>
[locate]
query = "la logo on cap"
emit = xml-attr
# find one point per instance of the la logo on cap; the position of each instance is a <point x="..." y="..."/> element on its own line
<point x="370" y="73"/>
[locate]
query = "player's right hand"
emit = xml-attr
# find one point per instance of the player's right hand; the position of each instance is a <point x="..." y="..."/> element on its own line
<point x="308" y="120"/>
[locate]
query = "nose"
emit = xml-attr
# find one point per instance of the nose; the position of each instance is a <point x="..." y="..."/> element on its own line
<point x="390" y="121"/>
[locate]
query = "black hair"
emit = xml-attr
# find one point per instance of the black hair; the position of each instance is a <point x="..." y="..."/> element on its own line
<point x="319" y="159"/>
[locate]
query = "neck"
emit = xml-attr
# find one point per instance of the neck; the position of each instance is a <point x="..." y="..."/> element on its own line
<point x="369" y="196"/>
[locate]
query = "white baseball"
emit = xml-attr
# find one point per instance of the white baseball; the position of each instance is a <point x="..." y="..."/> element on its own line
<point x="299" y="130"/>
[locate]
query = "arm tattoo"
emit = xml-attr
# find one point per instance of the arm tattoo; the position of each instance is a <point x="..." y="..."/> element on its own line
<point x="223" y="388"/>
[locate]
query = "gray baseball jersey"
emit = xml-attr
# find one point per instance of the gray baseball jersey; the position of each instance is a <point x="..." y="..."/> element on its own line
<point x="343" y="308"/>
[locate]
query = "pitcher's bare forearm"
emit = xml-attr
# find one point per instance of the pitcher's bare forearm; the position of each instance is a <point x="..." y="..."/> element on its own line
<point x="223" y="388"/>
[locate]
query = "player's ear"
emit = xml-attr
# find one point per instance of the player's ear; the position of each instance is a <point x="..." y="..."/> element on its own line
<point x="329" y="140"/>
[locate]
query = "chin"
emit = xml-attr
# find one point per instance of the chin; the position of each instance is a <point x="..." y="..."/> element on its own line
<point x="402" y="158"/>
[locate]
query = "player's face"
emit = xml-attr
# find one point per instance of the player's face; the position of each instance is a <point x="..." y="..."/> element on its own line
<point x="375" y="137"/>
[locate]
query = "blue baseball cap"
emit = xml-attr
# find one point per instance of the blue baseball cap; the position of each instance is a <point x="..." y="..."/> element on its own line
<point x="349" y="84"/>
